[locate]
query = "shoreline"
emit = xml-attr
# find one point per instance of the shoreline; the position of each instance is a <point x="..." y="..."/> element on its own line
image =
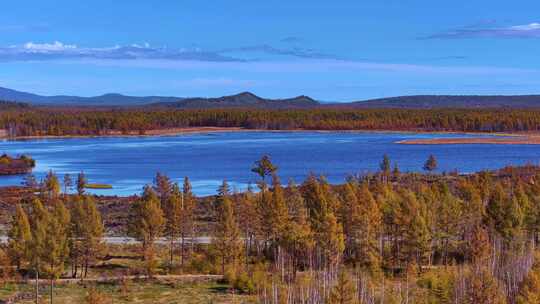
<point x="202" y="130"/>
<point x="499" y="138"/>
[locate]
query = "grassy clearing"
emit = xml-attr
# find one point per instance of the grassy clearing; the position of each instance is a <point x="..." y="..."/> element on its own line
<point x="161" y="291"/>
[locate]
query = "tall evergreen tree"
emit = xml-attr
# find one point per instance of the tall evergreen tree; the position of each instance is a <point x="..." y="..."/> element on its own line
<point x="68" y="183"/>
<point x="147" y="220"/>
<point x="344" y="291"/>
<point x="330" y="240"/>
<point x="52" y="185"/>
<point x="431" y="163"/>
<point x="19" y="237"/>
<point x="370" y="228"/>
<point x="56" y="246"/>
<point x="81" y="183"/>
<point x="226" y="236"/>
<point x="298" y="236"/>
<point x="188" y="216"/>
<point x="264" y="167"/>
<point x="162" y="187"/>
<point x="173" y="215"/>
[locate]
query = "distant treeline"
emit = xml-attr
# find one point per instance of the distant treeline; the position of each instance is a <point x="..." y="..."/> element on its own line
<point x="101" y="121"/>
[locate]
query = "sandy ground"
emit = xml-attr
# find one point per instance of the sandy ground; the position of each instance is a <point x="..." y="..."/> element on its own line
<point x="503" y="139"/>
<point x="160" y="132"/>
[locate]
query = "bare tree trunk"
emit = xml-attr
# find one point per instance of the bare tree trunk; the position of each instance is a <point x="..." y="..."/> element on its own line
<point x="37" y="285"/>
<point x="182" y="248"/>
<point x="171" y="251"/>
<point x="52" y="287"/>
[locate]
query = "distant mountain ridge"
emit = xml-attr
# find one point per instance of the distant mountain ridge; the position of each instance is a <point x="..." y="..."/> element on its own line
<point x="250" y="100"/>
<point x="111" y="99"/>
<point x="451" y="101"/>
<point x="244" y="99"/>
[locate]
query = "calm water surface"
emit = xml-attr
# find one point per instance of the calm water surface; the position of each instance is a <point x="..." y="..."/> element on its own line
<point x="130" y="162"/>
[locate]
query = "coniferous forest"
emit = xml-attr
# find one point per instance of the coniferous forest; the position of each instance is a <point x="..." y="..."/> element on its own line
<point x="34" y="121"/>
<point x="389" y="237"/>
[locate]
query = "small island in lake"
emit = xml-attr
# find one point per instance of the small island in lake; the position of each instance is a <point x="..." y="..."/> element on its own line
<point x="12" y="166"/>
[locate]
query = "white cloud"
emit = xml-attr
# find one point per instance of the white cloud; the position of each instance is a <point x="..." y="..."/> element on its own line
<point x="527" y="27"/>
<point x="55" y="46"/>
<point x="58" y="50"/>
<point x="531" y="30"/>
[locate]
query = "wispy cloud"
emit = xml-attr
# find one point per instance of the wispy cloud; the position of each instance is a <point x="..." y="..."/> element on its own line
<point x="58" y="50"/>
<point x="298" y="52"/>
<point x="531" y="30"/>
<point x="32" y="51"/>
<point x="314" y="66"/>
<point x="292" y="39"/>
<point x="13" y="28"/>
<point x="217" y="82"/>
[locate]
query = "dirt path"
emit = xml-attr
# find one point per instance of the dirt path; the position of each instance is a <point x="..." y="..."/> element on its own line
<point x="181" y="277"/>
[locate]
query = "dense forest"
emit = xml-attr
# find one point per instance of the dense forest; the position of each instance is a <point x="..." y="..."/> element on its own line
<point x="390" y="237"/>
<point x="87" y="121"/>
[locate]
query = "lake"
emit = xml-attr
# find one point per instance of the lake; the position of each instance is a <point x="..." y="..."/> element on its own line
<point x="128" y="163"/>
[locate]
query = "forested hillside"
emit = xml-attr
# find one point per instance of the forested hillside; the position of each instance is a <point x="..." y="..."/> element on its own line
<point x="452" y="101"/>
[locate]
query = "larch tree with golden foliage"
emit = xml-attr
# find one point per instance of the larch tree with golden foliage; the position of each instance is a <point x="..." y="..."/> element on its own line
<point x="226" y="236"/>
<point x="19" y="237"/>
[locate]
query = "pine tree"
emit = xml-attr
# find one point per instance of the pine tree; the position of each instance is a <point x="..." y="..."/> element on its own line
<point x="298" y="236"/>
<point x="226" y="237"/>
<point x="350" y="218"/>
<point x="248" y="220"/>
<point x="52" y="185"/>
<point x="385" y="164"/>
<point x="56" y="247"/>
<point x="431" y="163"/>
<point x="162" y="187"/>
<point x="480" y="248"/>
<point x="147" y="219"/>
<point x="188" y="216"/>
<point x="370" y="228"/>
<point x="504" y="214"/>
<point x="330" y="240"/>
<point x="484" y="288"/>
<point x="39" y="221"/>
<point x="413" y="227"/>
<point x="343" y="291"/>
<point x="278" y="215"/>
<point x="447" y="222"/>
<point x="396" y="173"/>
<point x="385" y="167"/>
<point x="81" y="183"/>
<point x="78" y="220"/>
<point x="5" y="268"/>
<point x="264" y="167"/>
<point x="173" y="215"/>
<point x="68" y="183"/>
<point x="529" y="291"/>
<point x="93" y="233"/>
<point x="19" y="237"/>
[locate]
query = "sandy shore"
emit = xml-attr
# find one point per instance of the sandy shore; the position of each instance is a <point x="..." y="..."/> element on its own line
<point x="198" y="130"/>
<point x="501" y="139"/>
<point x="159" y="132"/>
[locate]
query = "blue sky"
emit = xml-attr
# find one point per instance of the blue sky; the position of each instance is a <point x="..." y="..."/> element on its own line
<point x="330" y="50"/>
